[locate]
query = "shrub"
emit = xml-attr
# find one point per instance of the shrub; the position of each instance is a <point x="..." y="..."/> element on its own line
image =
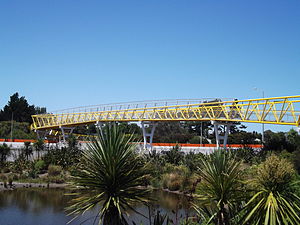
<point x="64" y="156"/>
<point x="176" y="177"/>
<point x="39" y="166"/>
<point x="21" y="164"/>
<point x="174" y="156"/>
<point x="10" y="180"/>
<point x="54" y="170"/>
<point x="182" y="170"/>
<point x="193" y="161"/>
<point x="3" y="177"/>
<point x="6" y="170"/>
<point x="172" y="181"/>
<point x="274" y="200"/>
<point x="196" y="140"/>
<point x="220" y="190"/>
<point x="4" y="153"/>
<point x="275" y="173"/>
<point x="23" y="176"/>
<point x="55" y="179"/>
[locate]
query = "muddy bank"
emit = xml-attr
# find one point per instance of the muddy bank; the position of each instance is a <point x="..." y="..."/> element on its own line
<point x="15" y="185"/>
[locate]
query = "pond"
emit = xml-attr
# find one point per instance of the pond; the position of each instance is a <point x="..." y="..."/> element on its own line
<point x="47" y="207"/>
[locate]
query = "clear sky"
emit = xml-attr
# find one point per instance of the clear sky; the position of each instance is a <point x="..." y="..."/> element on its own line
<point x="62" y="54"/>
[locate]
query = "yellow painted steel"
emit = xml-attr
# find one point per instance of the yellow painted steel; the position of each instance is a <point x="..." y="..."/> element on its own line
<point x="278" y="110"/>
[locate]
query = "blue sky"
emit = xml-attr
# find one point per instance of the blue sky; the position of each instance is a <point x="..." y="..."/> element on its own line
<point x="62" y="54"/>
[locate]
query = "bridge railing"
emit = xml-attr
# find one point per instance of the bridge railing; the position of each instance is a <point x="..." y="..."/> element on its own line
<point x="136" y="105"/>
<point x="280" y="110"/>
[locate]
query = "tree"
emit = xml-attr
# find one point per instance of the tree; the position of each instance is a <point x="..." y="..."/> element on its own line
<point x="244" y="138"/>
<point x="4" y="153"/>
<point x="275" y="141"/>
<point x="174" y="156"/>
<point x="293" y="139"/>
<point x="220" y="190"/>
<point x="194" y="127"/>
<point x="171" y="132"/>
<point x="27" y="150"/>
<point x="111" y="172"/>
<point x="39" y="146"/>
<point x="19" y="110"/>
<point x="274" y="200"/>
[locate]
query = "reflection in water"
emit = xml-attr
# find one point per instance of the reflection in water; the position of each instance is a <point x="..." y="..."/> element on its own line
<point x="46" y="207"/>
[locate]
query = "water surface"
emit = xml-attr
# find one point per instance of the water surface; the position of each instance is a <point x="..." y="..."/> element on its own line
<point x="47" y="207"/>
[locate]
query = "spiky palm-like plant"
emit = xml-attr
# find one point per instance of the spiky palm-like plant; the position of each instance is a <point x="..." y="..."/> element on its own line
<point x="220" y="190"/>
<point x="112" y="173"/>
<point x="274" y="201"/>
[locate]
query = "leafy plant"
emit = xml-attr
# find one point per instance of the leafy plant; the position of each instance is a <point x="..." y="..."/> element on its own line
<point x="4" y="153"/>
<point x="39" y="166"/>
<point x="220" y="191"/>
<point x="274" y="200"/>
<point x="159" y="219"/>
<point x="27" y="150"/>
<point x="64" y="156"/>
<point x="54" y="170"/>
<point x="39" y="146"/>
<point x="112" y="173"/>
<point x="174" y="156"/>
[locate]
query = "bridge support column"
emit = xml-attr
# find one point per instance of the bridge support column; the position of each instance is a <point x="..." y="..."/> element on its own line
<point x="220" y="136"/>
<point x="152" y="126"/>
<point x="41" y="134"/>
<point x="63" y="131"/>
<point x="99" y="126"/>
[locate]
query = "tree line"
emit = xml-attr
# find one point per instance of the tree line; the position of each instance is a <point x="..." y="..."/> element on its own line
<point x="18" y="109"/>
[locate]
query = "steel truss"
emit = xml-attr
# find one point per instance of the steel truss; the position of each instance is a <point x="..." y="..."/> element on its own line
<point x="278" y="110"/>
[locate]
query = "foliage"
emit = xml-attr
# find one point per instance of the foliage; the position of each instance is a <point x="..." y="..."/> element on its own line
<point x="3" y="177"/>
<point x="19" y="110"/>
<point x="112" y="173"/>
<point x="39" y="146"/>
<point x="21" y="130"/>
<point x="293" y="140"/>
<point x="197" y="140"/>
<point x="172" y="181"/>
<point x="193" y="161"/>
<point x="27" y="150"/>
<point x="174" y="156"/>
<point x="130" y="128"/>
<point x="176" y="177"/>
<point x="39" y="166"/>
<point x="244" y="138"/>
<point x="275" y="141"/>
<point x="64" y="156"/>
<point x="4" y="153"/>
<point x="296" y="160"/>
<point x="58" y="179"/>
<point x="54" y="170"/>
<point x="20" y="164"/>
<point x="171" y="132"/>
<point x="249" y="155"/>
<point x="220" y="191"/>
<point x="159" y="219"/>
<point x="274" y="200"/>
<point x="194" y="127"/>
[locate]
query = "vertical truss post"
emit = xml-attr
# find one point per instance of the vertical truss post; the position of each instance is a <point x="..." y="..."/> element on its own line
<point x="152" y="126"/>
<point x="220" y="136"/>
<point x="63" y="131"/>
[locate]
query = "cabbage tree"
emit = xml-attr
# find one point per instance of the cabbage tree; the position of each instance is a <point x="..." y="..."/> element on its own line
<point x="111" y="175"/>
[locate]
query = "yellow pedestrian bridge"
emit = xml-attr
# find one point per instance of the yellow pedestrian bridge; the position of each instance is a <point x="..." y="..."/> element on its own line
<point x="275" y="110"/>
